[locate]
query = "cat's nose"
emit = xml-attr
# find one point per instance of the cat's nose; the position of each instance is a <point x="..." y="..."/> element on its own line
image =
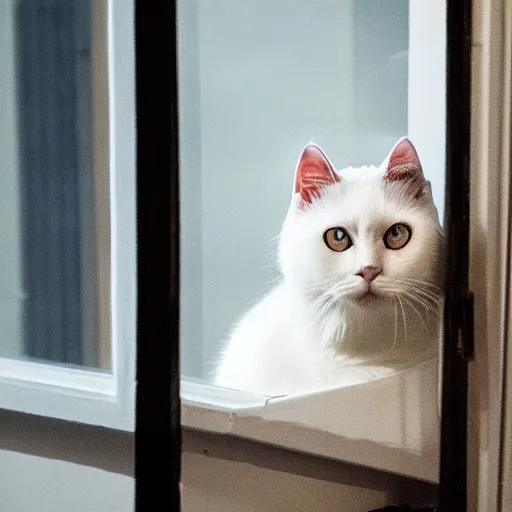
<point x="369" y="273"/>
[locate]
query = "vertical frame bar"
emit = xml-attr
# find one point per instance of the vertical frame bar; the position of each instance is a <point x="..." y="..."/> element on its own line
<point x="157" y="431"/>
<point x="457" y="316"/>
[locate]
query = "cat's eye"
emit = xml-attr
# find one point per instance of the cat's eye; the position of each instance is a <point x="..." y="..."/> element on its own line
<point x="337" y="239"/>
<point x="397" y="236"/>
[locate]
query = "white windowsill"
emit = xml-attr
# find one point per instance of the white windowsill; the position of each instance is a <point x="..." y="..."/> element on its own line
<point x="52" y="377"/>
<point x="400" y="436"/>
<point x="83" y="396"/>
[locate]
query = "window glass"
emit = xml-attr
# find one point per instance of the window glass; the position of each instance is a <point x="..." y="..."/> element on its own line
<point x="54" y="214"/>
<point x="258" y="82"/>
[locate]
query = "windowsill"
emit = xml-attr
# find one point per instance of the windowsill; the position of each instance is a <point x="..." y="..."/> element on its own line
<point x="393" y="431"/>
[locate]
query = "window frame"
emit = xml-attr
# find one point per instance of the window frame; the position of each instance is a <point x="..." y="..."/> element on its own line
<point x="490" y="391"/>
<point x="458" y="327"/>
<point x="158" y="419"/>
<point x="84" y="395"/>
<point x="90" y="396"/>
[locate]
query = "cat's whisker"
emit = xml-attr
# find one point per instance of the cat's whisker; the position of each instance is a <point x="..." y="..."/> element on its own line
<point x="426" y="293"/>
<point x="322" y="306"/>
<point x="434" y="301"/>
<point x="396" y="324"/>
<point x="427" y="290"/>
<point x="419" y="300"/>
<point x="411" y="304"/>
<point x="403" y="316"/>
<point x="428" y="305"/>
<point x="321" y="314"/>
<point x="422" y="283"/>
<point x="414" y="296"/>
<point x="319" y="305"/>
<point x="338" y="287"/>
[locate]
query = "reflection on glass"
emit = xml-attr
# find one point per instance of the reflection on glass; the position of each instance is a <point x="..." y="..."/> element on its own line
<point x="258" y="82"/>
<point x="54" y="182"/>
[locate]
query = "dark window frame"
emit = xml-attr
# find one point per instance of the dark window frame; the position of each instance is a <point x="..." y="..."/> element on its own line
<point x="157" y="423"/>
<point x="458" y="311"/>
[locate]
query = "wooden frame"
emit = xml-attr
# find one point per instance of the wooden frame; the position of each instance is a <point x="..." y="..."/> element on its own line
<point x="157" y="432"/>
<point x="458" y="314"/>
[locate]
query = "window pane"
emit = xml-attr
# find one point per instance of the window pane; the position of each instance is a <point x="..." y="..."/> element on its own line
<point x="54" y="182"/>
<point x="258" y="81"/>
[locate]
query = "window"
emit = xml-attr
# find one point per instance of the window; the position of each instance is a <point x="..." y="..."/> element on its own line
<point x="76" y="362"/>
<point x="67" y="199"/>
<point x="247" y="109"/>
<point x="58" y="185"/>
<point x="257" y="82"/>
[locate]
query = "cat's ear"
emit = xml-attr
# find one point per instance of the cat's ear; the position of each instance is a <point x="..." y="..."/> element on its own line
<point x="403" y="163"/>
<point x="314" y="171"/>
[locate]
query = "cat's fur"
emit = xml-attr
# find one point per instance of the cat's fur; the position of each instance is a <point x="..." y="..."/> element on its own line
<point x="313" y="330"/>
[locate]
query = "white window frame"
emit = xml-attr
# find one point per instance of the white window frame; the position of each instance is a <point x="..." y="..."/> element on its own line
<point x="300" y="422"/>
<point x="88" y="396"/>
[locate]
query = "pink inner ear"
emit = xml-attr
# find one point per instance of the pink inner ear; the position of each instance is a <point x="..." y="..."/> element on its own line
<point x="403" y="163"/>
<point x="314" y="171"/>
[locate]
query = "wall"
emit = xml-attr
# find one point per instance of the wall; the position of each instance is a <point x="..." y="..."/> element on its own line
<point x="54" y="466"/>
<point x="223" y="475"/>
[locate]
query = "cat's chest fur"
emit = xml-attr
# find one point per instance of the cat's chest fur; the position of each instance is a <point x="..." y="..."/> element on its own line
<point x="277" y="349"/>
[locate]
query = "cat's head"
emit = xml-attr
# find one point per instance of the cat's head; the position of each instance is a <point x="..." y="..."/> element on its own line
<point x="362" y="236"/>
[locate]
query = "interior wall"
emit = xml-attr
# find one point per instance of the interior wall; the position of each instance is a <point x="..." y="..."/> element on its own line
<point x="54" y="466"/>
<point x="222" y="474"/>
<point x="48" y="465"/>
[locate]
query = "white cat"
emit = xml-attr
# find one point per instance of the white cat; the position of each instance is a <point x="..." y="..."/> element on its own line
<point x="361" y="254"/>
